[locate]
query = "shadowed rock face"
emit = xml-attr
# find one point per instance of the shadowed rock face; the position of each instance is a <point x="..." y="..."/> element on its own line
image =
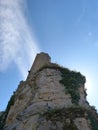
<point x="42" y="102"/>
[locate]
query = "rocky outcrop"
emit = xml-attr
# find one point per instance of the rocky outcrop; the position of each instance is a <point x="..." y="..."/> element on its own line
<point x="51" y="98"/>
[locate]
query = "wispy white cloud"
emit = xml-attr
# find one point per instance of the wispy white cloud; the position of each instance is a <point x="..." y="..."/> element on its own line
<point x="81" y="15"/>
<point x="17" y="42"/>
<point x="83" y="11"/>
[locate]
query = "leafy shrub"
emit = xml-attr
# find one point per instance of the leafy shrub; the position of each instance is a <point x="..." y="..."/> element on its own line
<point x="63" y="115"/>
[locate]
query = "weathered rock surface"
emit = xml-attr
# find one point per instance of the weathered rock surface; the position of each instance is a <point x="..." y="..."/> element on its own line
<point x="42" y="103"/>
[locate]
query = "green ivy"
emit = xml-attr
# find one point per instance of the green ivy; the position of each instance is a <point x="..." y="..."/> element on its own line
<point x="72" y="81"/>
<point x="93" y="120"/>
<point x="2" y="120"/>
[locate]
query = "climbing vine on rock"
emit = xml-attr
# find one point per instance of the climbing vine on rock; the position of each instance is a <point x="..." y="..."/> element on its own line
<point x="72" y="81"/>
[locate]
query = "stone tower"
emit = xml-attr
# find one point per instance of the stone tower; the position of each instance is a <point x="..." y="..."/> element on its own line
<point x="41" y="60"/>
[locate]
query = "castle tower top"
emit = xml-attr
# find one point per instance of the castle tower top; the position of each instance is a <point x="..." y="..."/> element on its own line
<point x="41" y="60"/>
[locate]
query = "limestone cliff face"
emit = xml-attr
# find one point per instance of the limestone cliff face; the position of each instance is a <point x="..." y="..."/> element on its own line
<point x="51" y="98"/>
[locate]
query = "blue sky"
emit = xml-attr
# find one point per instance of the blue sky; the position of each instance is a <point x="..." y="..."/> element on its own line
<point x="66" y="29"/>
